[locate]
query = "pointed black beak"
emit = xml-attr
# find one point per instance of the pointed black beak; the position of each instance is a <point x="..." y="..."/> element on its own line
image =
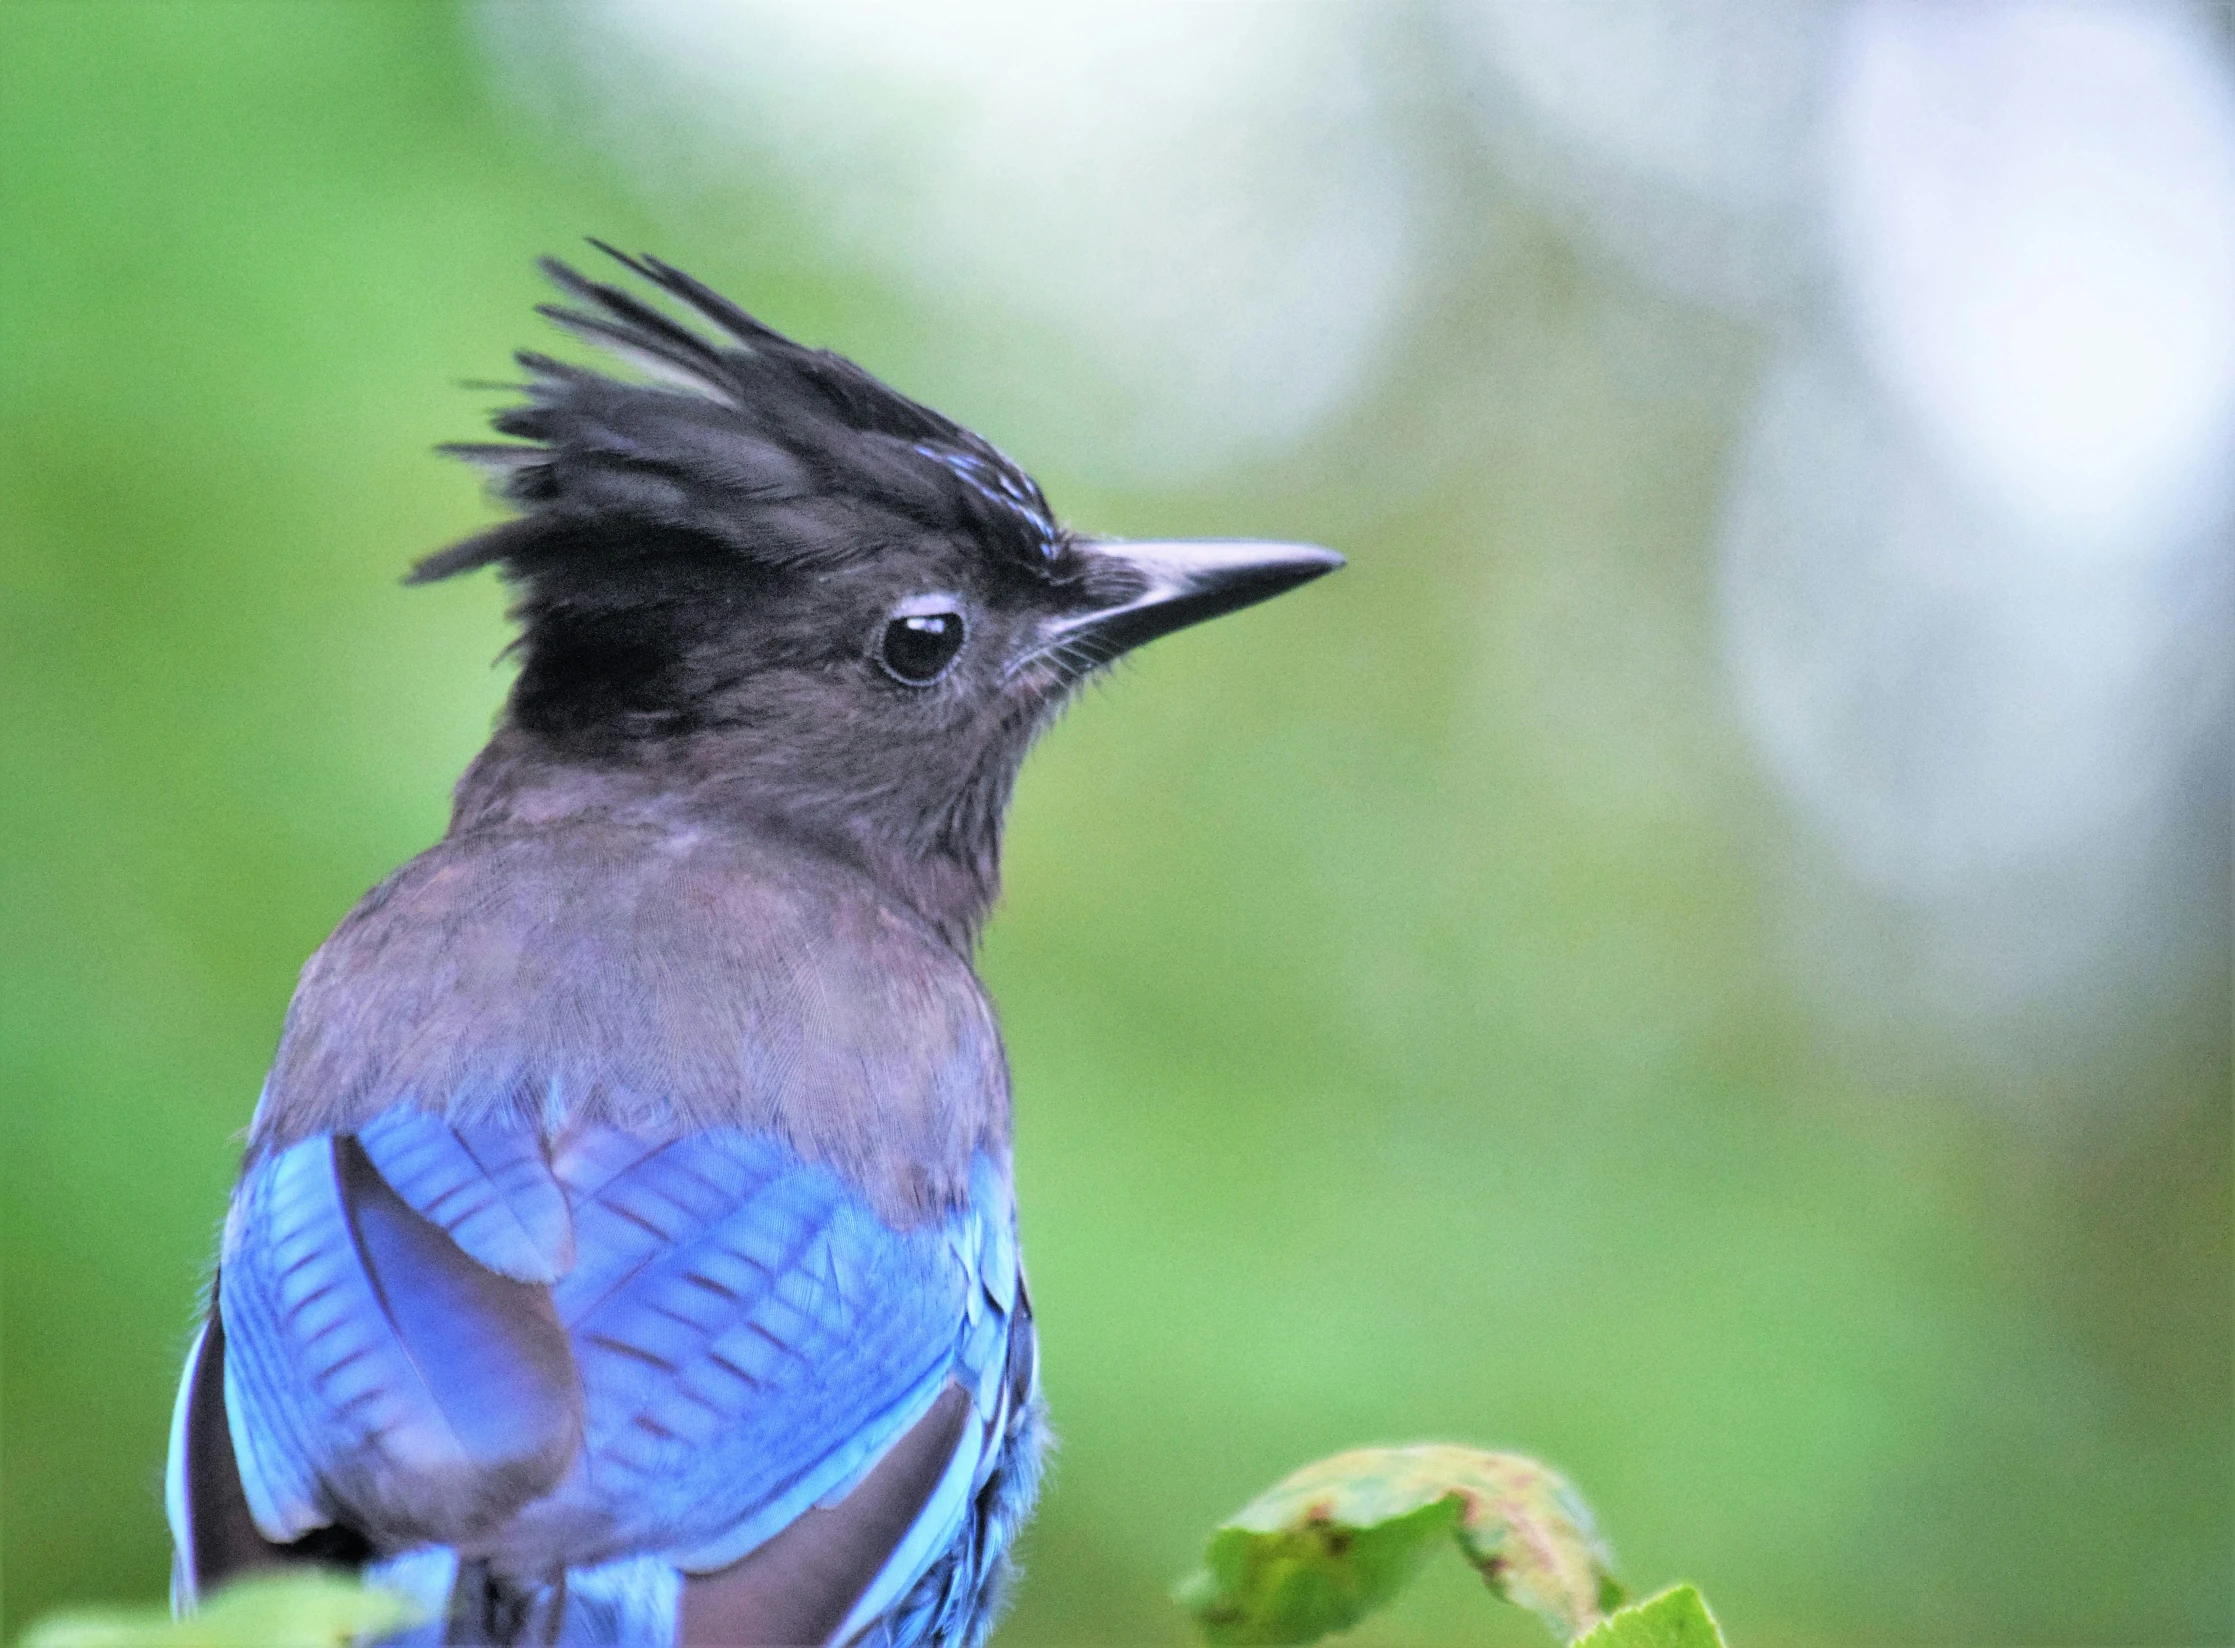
<point x="1169" y="585"/>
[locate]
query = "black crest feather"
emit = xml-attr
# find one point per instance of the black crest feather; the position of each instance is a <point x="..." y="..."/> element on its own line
<point x="746" y="443"/>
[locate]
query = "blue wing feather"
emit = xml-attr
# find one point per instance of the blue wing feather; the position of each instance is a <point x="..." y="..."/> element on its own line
<point x="740" y="1338"/>
<point x="487" y="1184"/>
<point x="285" y="1233"/>
<point x="750" y="1335"/>
<point x="371" y="1366"/>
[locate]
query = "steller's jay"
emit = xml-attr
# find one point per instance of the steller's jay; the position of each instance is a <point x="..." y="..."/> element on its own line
<point x="624" y="1250"/>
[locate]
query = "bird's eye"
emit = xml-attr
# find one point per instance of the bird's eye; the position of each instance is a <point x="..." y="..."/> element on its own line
<point x="916" y="649"/>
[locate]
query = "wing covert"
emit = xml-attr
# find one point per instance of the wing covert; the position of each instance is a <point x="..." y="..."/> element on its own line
<point x="487" y="1184"/>
<point x="734" y="1344"/>
<point x="374" y="1372"/>
<point x="752" y="1337"/>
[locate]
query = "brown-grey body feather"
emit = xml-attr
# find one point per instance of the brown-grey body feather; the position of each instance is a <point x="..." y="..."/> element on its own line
<point x="598" y="950"/>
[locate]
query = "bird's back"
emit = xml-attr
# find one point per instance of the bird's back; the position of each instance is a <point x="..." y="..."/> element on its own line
<point x="611" y="951"/>
<point x="626" y="1236"/>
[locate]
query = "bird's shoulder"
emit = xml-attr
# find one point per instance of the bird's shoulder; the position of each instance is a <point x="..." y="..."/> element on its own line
<point x="657" y="973"/>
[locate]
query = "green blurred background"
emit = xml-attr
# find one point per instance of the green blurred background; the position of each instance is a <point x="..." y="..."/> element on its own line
<point x="1431" y="1016"/>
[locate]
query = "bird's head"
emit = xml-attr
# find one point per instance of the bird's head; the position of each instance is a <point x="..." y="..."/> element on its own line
<point x="769" y="582"/>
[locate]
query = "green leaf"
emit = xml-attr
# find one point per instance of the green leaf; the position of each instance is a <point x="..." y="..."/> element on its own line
<point x="296" y="1610"/>
<point x="1297" y="1584"/>
<point x="1328" y="1545"/>
<point x="1677" y="1618"/>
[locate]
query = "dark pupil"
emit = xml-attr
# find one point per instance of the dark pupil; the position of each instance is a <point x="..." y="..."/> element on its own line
<point x="917" y="649"/>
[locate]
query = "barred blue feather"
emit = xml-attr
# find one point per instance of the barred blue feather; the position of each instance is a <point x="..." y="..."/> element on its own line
<point x="719" y="1337"/>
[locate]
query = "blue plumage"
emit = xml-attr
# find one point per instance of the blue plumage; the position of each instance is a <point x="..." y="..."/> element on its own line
<point x="373" y="1370"/>
<point x="489" y="1187"/>
<point x="741" y="1338"/>
<point x="626" y="1251"/>
<point x="750" y="1337"/>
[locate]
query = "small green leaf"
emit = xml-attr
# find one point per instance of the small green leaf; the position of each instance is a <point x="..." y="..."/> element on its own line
<point x="1340" y="1538"/>
<point x="1677" y="1618"/>
<point x="1299" y="1583"/>
<point x="296" y="1610"/>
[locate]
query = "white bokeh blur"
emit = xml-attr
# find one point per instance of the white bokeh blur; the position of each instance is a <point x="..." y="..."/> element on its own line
<point x="2035" y="226"/>
<point x="1204" y="200"/>
<point x="1975" y="558"/>
<point x="1677" y="134"/>
<point x="1977" y="585"/>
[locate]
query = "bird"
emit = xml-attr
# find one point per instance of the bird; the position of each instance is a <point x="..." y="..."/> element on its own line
<point x="625" y="1243"/>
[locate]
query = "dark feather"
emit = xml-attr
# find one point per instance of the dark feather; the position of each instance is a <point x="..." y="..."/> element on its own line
<point x="704" y="299"/>
<point x="799" y="1586"/>
<point x="388" y="1375"/>
<point x="731" y="426"/>
<point x="659" y="520"/>
<point x="221" y="1538"/>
